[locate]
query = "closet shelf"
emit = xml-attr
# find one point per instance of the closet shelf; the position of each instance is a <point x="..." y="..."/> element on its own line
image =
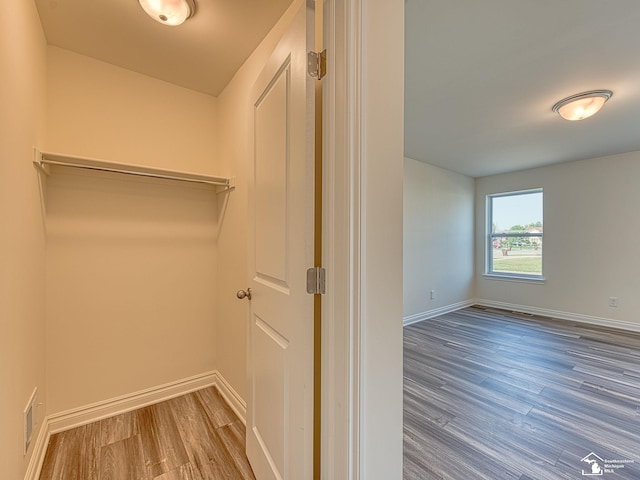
<point x="44" y="159"/>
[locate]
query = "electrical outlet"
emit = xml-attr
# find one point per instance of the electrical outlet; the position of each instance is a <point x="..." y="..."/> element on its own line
<point x="433" y="294"/>
<point x="613" y="301"/>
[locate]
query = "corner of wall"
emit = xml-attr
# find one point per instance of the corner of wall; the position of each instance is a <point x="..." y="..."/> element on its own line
<point x="22" y="246"/>
<point x="438" y="239"/>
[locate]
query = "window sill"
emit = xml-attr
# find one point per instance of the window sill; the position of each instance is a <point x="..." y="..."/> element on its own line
<point x="514" y="278"/>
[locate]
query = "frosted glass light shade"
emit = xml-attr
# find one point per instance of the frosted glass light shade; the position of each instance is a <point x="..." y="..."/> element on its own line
<point x="169" y="12"/>
<point x="582" y="105"/>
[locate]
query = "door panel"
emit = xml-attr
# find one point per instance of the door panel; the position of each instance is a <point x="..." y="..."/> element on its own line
<point x="280" y="399"/>
<point x="270" y="352"/>
<point x="271" y="169"/>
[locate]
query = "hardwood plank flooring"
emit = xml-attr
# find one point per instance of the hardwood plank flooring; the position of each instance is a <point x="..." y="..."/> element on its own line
<point x="490" y="394"/>
<point x="193" y="437"/>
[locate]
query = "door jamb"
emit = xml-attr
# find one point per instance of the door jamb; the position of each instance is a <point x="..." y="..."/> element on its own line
<point x="341" y="342"/>
<point x="363" y="108"/>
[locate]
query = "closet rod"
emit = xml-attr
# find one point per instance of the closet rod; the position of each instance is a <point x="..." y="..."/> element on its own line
<point x="44" y="159"/>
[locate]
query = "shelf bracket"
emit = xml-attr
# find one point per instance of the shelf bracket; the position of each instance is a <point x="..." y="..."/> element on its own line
<point x="37" y="162"/>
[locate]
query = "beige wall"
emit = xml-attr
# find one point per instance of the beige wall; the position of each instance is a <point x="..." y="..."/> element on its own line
<point x="590" y="238"/>
<point x="131" y="262"/>
<point x="234" y="109"/>
<point x="22" y="247"/>
<point x="102" y="111"/>
<point x="438" y="238"/>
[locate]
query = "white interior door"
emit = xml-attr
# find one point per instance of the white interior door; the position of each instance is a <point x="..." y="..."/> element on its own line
<point x="280" y="363"/>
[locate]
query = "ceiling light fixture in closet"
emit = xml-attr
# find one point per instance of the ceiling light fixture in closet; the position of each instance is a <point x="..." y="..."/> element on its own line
<point x="169" y="12"/>
<point x="582" y="105"/>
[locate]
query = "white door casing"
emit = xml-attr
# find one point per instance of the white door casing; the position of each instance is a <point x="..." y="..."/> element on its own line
<point x="280" y="343"/>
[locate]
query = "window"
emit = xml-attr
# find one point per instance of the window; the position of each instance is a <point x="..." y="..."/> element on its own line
<point x="514" y="247"/>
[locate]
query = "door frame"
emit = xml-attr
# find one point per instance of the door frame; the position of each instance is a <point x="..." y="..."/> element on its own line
<point x="362" y="240"/>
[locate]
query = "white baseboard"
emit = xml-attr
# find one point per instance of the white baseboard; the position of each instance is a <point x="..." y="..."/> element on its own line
<point x="573" y="317"/>
<point x="39" y="451"/>
<point x="512" y="307"/>
<point x="418" y="317"/>
<point x="76" y="417"/>
<point x="235" y="401"/>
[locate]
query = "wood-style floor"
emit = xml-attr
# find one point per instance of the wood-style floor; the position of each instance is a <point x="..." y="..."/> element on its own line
<point x="493" y="395"/>
<point x="193" y="437"/>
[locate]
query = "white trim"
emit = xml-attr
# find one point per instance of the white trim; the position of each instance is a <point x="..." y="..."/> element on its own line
<point x="353" y="72"/>
<point x="233" y="399"/>
<point x="39" y="451"/>
<point x="341" y="306"/>
<point x="514" y="193"/>
<point x="574" y="317"/>
<point x="489" y="234"/>
<point x="514" y="278"/>
<point x="77" y="417"/>
<point x="418" y="317"/>
<point x="377" y="64"/>
<point x="513" y="307"/>
<point x="33" y="419"/>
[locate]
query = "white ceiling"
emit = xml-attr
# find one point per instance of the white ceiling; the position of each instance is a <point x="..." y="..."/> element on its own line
<point x="202" y="54"/>
<point x="481" y="77"/>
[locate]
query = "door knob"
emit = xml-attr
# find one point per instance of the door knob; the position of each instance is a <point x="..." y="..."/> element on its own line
<point x="244" y="294"/>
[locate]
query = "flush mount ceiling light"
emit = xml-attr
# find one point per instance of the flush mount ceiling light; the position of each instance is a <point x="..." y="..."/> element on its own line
<point x="582" y="105"/>
<point x="169" y="12"/>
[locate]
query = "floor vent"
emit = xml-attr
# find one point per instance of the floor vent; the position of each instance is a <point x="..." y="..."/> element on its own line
<point x="30" y="420"/>
<point x="526" y="314"/>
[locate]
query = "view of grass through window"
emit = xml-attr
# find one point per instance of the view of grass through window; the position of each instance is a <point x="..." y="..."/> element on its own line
<point x="516" y="229"/>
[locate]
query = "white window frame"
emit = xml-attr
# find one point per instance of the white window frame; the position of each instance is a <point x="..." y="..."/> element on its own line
<point x="490" y="237"/>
